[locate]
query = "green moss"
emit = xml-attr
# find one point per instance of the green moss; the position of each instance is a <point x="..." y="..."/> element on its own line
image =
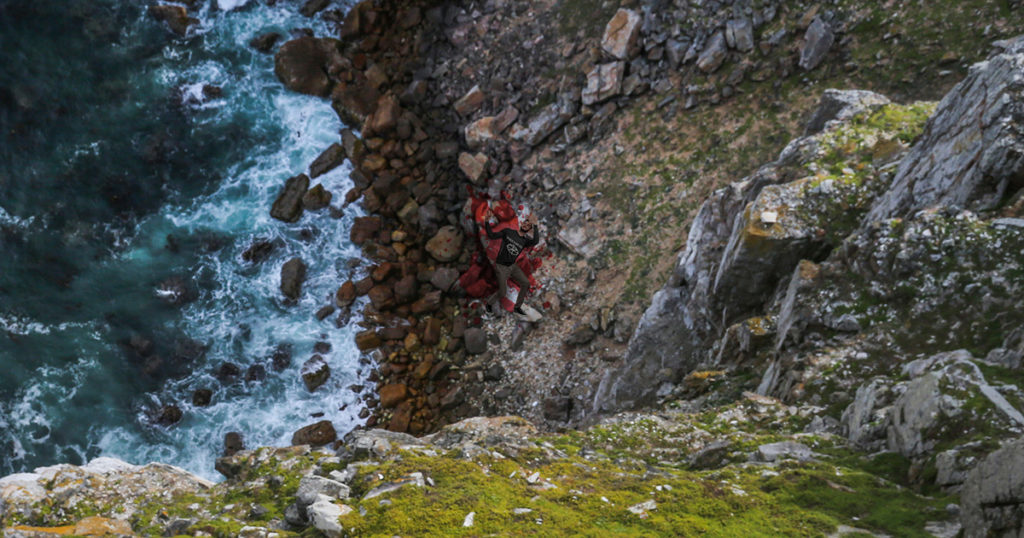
<point x="588" y="17"/>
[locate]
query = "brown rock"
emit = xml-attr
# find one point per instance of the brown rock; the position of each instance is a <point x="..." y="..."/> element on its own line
<point x="470" y="102"/>
<point x="345" y="295"/>
<point x="169" y="414"/>
<point x="432" y="331"/>
<point x="232" y="443"/>
<point x="411" y="343"/>
<point x="393" y="333"/>
<point x="288" y="205"/>
<point x="300" y="64"/>
<point x="367" y="340"/>
<point x="423" y="369"/>
<point x="316" y="434"/>
<point x="476" y="340"/>
<point x="382" y="297"/>
<point x="315" y="372"/>
<point x="382" y="272"/>
<point x="265" y="42"/>
<point x="293" y="274"/>
<point x="202" y="397"/>
<point x="325" y="311"/>
<point x="406" y="289"/>
<point x="603" y="82"/>
<point x="331" y="158"/>
<point x="363" y="286"/>
<point x="428" y="303"/>
<point x="176" y="17"/>
<point x="505" y="119"/>
<point x="354" y="102"/>
<point x="473" y="166"/>
<point x="312" y="7"/>
<point x="97" y="526"/>
<point x="400" y="419"/>
<point x="316" y="198"/>
<point x="364" y="228"/>
<point x="391" y="395"/>
<point x="384" y="118"/>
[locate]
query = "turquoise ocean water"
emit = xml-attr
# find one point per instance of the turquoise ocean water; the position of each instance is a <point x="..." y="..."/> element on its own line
<point x="117" y="173"/>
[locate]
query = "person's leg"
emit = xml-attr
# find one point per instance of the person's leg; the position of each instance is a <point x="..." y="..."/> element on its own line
<point x="501" y="273"/>
<point x="524" y="284"/>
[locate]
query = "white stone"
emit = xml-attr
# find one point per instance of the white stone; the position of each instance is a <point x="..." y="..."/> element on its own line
<point x="769" y="217"/>
<point x="468" y="522"/>
<point x="324" y="514"/>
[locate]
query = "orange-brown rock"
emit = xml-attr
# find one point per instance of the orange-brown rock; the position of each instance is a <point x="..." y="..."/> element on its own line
<point x="423" y="369"/>
<point x="364" y="228"/>
<point x="345" y="295"/>
<point x="432" y="331"/>
<point x="428" y="303"/>
<point x="367" y="340"/>
<point x="382" y="297"/>
<point x="406" y="289"/>
<point x="381" y="272"/>
<point x="384" y="118"/>
<point x="316" y="434"/>
<point x="400" y="419"/>
<point x="392" y="394"/>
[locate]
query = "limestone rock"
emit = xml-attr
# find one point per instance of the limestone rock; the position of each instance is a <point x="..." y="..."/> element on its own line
<point x="311" y="487"/>
<point x="324" y="514"/>
<point x="621" y="34"/>
<point x="992" y="498"/>
<point x="972" y="151"/>
<point x="474" y="166"/>
<point x="603" y="81"/>
<point x="739" y="34"/>
<point x="817" y="41"/>
<point x="546" y="121"/>
<point x="841" y="105"/>
<point x="713" y="54"/>
<point x="288" y="205"/>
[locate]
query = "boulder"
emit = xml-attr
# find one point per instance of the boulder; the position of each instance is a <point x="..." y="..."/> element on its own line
<point x="364" y="229"/>
<point x="367" y="340"/>
<point x="345" y="295"/>
<point x="168" y="415"/>
<point x="713" y="54"/>
<point x="293" y="274"/>
<point x="817" y="41"/>
<point x="971" y="153"/>
<point x="311" y="487"/>
<point x="481" y="131"/>
<point x="547" y="120"/>
<point x="392" y="394"/>
<point x="739" y="34"/>
<point x="783" y="450"/>
<point x="476" y="340"/>
<point x="446" y="245"/>
<point x="232" y="443"/>
<point x="444" y="277"/>
<point x="300" y="64"/>
<point x="354" y="101"/>
<point x="603" y="81"/>
<point x="841" y="105"/>
<point x="992" y="498"/>
<point x="316" y="434"/>
<point x="316" y="198"/>
<point x="202" y="397"/>
<point x="406" y="289"/>
<point x="265" y="42"/>
<point x="470" y="102"/>
<point x="382" y="297"/>
<point x="331" y="157"/>
<point x="384" y="118"/>
<point x="259" y="251"/>
<point x="474" y="166"/>
<point x="312" y="7"/>
<point x="288" y="204"/>
<point x="176" y="17"/>
<point x="430" y="302"/>
<point x="315" y="372"/>
<point x="621" y="34"/>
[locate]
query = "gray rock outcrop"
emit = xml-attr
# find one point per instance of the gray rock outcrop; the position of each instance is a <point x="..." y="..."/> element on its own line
<point x="992" y="499"/>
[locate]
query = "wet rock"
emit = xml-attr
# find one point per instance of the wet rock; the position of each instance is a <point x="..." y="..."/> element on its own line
<point x="621" y="34"/>
<point x="288" y="205"/>
<point x="316" y="198"/>
<point x="364" y="229"/>
<point x="202" y="397"/>
<point x="300" y="65"/>
<point x="714" y="54"/>
<point x="406" y="289"/>
<point x="382" y="297"/>
<point x="470" y="102"/>
<point x="168" y="415"/>
<point x="316" y="434"/>
<point x="265" y="42"/>
<point x="446" y="245"/>
<point x="312" y="7"/>
<point x="476" y="341"/>
<point x="604" y="81"/>
<point x="384" y="118"/>
<point x="293" y="274"/>
<point x="259" y="251"/>
<point x="227" y="373"/>
<point x="315" y="372"/>
<point x="345" y="295"/>
<point x="233" y="443"/>
<point x="176" y="291"/>
<point x="391" y="395"/>
<point x="176" y="17"/>
<point x="255" y="373"/>
<point x="282" y="357"/>
<point x="354" y="102"/>
<point x="817" y="41"/>
<point x="367" y="340"/>
<point x="330" y="159"/>
<point x="324" y="312"/>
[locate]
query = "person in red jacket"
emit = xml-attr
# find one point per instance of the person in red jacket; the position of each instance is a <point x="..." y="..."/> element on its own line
<point x="512" y="244"/>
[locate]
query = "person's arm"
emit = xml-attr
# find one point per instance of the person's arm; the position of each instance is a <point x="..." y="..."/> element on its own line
<point x="533" y="238"/>
<point x="490" y="233"/>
